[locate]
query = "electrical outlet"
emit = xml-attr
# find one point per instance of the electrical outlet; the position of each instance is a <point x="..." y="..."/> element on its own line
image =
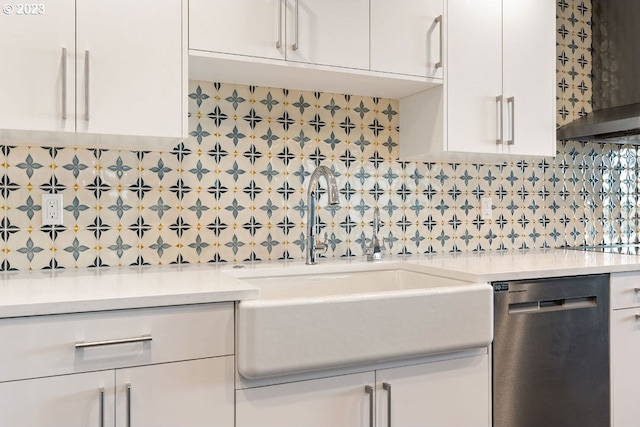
<point x="52" y="209"/>
<point x="486" y="207"/>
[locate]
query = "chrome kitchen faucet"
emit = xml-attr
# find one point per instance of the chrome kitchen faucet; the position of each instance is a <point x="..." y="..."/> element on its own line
<point x="376" y="248"/>
<point x="314" y="245"/>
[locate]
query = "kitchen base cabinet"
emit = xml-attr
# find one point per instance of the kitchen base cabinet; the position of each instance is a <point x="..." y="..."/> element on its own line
<point x="145" y="367"/>
<point x="450" y="392"/>
<point x="195" y="393"/>
<point x="337" y="402"/>
<point x="62" y="401"/>
<point x="625" y="349"/>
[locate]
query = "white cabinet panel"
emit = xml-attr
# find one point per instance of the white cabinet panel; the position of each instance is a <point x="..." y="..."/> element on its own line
<point x="473" y="75"/>
<point x="195" y="393"/>
<point x="131" y="82"/>
<point x="242" y="27"/>
<point x="625" y="370"/>
<point x="336" y="402"/>
<point x="529" y="78"/>
<point x="449" y="393"/>
<point x="64" y="401"/>
<point x="32" y="75"/>
<point x="405" y="37"/>
<point x="498" y="95"/>
<point x="328" y="32"/>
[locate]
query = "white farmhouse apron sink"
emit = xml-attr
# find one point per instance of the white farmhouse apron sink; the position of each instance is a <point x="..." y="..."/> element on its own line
<point x="309" y="322"/>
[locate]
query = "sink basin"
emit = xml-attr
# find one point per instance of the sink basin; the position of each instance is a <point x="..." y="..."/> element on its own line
<point x="309" y="322"/>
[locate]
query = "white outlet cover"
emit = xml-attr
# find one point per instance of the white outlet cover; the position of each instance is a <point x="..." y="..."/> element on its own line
<point x="52" y="208"/>
<point x="486" y="207"/>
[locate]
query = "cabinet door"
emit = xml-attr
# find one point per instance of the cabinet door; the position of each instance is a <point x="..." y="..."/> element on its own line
<point x="474" y="75"/>
<point x="625" y="370"/>
<point x="129" y="67"/>
<point x="62" y="401"/>
<point x="450" y="393"/>
<point x="529" y="76"/>
<point x="242" y="27"/>
<point x="336" y="402"/>
<point x="328" y="32"/>
<point x="195" y="393"/>
<point x="405" y="37"/>
<point x="33" y="80"/>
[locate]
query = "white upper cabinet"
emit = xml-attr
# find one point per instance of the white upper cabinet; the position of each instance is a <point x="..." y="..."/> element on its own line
<point x="529" y="77"/>
<point x="328" y="32"/>
<point x="316" y="45"/>
<point x="93" y="67"/>
<point x="406" y="37"/>
<point x="130" y="83"/>
<point x="37" y="73"/>
<point x="498" y="95"/>
<point x="241" y="27"/>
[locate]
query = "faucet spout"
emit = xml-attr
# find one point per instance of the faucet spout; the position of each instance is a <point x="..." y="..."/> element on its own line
<point x="313" y="246"/>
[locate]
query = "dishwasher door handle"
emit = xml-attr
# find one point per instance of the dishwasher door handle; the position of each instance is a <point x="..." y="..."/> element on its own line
<point x="553" y="305"/>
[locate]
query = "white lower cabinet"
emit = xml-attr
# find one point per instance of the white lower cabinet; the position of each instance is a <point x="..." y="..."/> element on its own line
<point x="452" y="392"/>
<point x="61" y="401"/>
<point x="625" y="349"/>
<point x="194" y="393"/>
<point x="147" y="367"/>
<point x="337" y="402"/>
<point x="449" y="393"/>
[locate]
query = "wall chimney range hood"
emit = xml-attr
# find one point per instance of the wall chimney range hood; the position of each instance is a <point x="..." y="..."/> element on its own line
<point x="616" y="76"/>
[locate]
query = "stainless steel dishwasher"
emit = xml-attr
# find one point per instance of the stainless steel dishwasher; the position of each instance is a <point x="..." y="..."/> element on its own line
<point x="551" y="352"/>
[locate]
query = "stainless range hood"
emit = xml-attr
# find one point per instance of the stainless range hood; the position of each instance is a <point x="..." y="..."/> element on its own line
<point x="616" y="76"/>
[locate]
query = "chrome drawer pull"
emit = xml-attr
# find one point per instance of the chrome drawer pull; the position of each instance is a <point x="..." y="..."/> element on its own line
<point x="369" y="390"/>
<point x="101" y="412"/>
<point x="83" y="344"/>
<point x="440" y="62"/>
<point x="128" y="405"/>
<point x="387" y="388"/>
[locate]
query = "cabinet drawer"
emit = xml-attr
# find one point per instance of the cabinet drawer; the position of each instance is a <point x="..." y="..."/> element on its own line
<point x="67" y="343"/>
<point x="625" y="290"/>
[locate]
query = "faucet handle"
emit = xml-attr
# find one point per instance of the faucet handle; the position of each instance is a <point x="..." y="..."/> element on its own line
<point x="322" y="246"/>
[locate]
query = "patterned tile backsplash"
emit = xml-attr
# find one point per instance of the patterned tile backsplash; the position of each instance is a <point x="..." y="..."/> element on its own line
<point x="235" y="190"/>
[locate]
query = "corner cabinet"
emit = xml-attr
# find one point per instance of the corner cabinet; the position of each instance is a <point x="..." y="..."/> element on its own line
<point x="85" y="67"/>
<point x="452" y="392"/>
<point x="143" y="367"/>
<point x="498" y="95"/>
<point x="625" y="349"/>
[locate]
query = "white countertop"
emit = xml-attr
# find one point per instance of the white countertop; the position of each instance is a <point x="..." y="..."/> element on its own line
<point x="62" y="291"/>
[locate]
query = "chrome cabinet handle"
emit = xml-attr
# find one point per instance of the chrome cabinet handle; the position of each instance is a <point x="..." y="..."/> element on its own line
<point x="387" y="388"/>
<point x="295" y="44"/>
<point x="101" y="411"/>
<point x="128" y="404"/>
<point x="440" y="62"/>
<point x="369" y="390"/>
<point x="64" y="83"/>
<point x="511" y="100"/>
<point x="86" y="84"/>
<point x="82" y="344"/>
<point x="279" y="41"/>
<point x="499" y="118"/>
